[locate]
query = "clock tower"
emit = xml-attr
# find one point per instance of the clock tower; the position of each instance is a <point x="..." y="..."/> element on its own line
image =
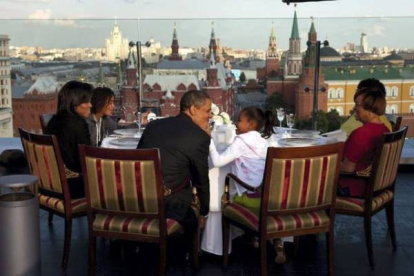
<point x="272" y="57"/>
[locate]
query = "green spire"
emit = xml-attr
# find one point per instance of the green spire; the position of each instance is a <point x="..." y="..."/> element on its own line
<point x="295" y="29"/>
<point x="312" y="29"/>
<point x="272" y="34"/>
<point x="100" y="75"/>
<point x="119" y="73"/>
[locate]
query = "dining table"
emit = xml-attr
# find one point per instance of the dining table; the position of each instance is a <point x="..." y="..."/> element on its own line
<point x="211" y="241"/>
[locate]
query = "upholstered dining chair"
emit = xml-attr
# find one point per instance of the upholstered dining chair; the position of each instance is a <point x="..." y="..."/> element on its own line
<point x="395" y="121"/>
<point x="380" y="188"/>
<point x="45" y="161"/>
<point x="298" y="196"/>
<point x="125" y="196"/>
<point x="44" y="120"/>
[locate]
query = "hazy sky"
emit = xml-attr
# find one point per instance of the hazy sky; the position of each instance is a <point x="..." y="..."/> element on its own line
<point x="55" y="23"/>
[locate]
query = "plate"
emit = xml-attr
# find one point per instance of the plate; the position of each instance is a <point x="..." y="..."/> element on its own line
<point x="299" y="142"/>
<point x="129" y="132"/>
<point x="301" y="133"/>
<point x="131" y="143"/>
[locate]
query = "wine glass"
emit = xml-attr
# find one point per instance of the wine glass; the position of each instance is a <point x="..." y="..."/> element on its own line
<point x="290" y="121"/>
<point x="280" y="115"/>
<point x="139" y="118"/>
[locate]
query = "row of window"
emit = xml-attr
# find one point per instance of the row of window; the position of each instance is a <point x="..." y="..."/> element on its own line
<point x="4" y="63"/>
<point x="4" y="72"/>
<point x="390" y="92"/>
<point x="3" y="53"/>
<point x="390" y="109"/>
<point x="4" y="43"/>
<point x="3" y="82"/>
<point x="5" y="101"/>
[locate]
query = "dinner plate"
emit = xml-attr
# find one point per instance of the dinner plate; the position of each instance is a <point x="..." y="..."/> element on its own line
<point x="299" y="142"/>
<point x="121" y="142"/>
<point x="129" y="132"/>
<point x="303" y="133"/>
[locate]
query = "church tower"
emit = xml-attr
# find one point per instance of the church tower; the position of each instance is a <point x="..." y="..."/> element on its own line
<point x="294" y="57"/>
<point x="212" y="86"/>
<point x="212" y="48"/>
<point x="130" y="90"/>
<point x="272" y="57"/>
<point x="305" y="88"/>
<point x="174" y="46"/>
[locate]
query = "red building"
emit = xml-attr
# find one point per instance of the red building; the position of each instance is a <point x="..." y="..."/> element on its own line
<point x="40" y="98"/>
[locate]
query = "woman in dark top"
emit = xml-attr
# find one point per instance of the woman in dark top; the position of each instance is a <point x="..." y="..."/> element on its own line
<point x="71" y="129"/>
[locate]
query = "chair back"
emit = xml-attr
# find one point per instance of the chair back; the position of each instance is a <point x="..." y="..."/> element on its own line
<point x="123" y="182"/>
<point x="386" y="160"/>
<point x="300" y="179"/>
<point x="45" y="161"/>
<point x="395" y="121"/>
<point x="44" y="120"/>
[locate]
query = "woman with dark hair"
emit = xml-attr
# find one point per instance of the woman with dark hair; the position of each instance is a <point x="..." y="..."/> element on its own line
<point x="360" y="147"/>
<point x="99" y="121"/>
<point x="70" y="128"/>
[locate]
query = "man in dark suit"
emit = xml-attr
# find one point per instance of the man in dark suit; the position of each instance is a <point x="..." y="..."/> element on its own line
<point x="183" y="142"/>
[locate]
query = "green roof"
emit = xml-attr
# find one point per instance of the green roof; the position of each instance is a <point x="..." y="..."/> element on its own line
<point x="357" y="73"/>
<point x="295" y="28"/>
<point x="312" y="29"/>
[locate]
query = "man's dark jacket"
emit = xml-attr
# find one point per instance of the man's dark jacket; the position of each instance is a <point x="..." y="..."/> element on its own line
<point x="184" y="149"/>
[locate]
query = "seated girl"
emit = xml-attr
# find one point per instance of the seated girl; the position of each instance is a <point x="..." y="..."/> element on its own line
<point x="247" y="153"/>
<point x="360" y="147"/>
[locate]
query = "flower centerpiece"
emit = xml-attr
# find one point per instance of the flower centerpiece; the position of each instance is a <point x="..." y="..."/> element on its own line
<point x="220" y="118"/>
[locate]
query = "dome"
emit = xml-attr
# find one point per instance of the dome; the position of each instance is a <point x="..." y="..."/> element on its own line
<point x="328" y="51"/>
<point x="393" y="56"/>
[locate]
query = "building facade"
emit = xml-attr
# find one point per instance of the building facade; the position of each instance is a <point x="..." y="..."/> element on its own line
<point x="116" y="46"/>
<point x="6" y="119"/>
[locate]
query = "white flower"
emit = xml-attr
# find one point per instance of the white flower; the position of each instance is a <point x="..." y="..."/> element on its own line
<point x="226" y="118"/>
<point x="218" y="120"/>
<point x="214" y="109"/>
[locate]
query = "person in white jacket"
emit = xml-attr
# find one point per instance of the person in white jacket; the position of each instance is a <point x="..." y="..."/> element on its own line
<point x="247" y="156"/>
<point x="247" y="153"/>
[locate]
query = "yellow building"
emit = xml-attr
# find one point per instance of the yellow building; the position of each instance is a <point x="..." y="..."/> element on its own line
<point x="343" y="81"/>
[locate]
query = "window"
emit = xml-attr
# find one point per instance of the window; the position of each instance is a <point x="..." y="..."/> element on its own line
<point x="412" y="91"/>
<point x="339" y="93"/>
<point x="411" y="108"/>
<point x="331" y="93"/>
<point x="387" y="109"/>
<point x="394" y="109"/>
<point x="394" y="91"/>
<point x="387" y="91"/>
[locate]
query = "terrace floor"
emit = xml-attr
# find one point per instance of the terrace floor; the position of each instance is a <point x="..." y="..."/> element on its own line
<point x="117" y="258"/>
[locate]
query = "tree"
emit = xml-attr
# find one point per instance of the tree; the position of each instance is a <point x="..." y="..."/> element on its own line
<point x="322" y="122"/>
<point x="274" y="101"/>
<point x="334" y="120"/>
<point x="242" y="77"/>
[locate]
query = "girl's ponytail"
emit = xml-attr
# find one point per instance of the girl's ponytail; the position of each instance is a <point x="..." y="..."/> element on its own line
<point x="269" y="123"/>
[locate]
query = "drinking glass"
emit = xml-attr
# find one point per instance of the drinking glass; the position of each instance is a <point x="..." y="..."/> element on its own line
<point x="280" y="115"/>
<point x="139" y="118"/>
<point x="290" y="121"/>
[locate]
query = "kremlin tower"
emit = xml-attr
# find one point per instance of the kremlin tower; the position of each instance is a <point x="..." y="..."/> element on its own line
<point x="174" y="47"/>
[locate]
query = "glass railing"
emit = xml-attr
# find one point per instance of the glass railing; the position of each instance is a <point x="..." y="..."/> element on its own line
<point x="56" y="51"/>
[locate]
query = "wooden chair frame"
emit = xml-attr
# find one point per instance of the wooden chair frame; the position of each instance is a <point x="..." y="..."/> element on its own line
<point x="285" y="153"/>
<point x="367" y="214"/>
<point x="130" y="155"/>
<point x="51" y="140"/>
<point x="44" y="120"/>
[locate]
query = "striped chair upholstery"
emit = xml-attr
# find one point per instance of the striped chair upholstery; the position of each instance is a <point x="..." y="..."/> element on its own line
<point x="388" y="164"/>
<point x="42" y="161"/>
<point x="302" y="182"/>
<point x="297" y="197"/>
<point x="358" y="204"/>
<point x="125" y="197"/>
<point x="45" y="161"/>
<point x="380" y="189"/>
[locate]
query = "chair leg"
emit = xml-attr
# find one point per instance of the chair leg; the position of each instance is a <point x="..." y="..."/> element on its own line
<point x="92" y="255"/>
<point x="196" y="249"/>
<point x="50" y="217"/>
<point x="330" y="252"/>
<point x="390" y="220"/>
<point x="296" y="246"/>
<point x="66" y="245"/>
<point x="226" y="240"/>
<point x="263" y="256"/>
<point x="368" y="239"/>
<point x="163" y="257"/>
